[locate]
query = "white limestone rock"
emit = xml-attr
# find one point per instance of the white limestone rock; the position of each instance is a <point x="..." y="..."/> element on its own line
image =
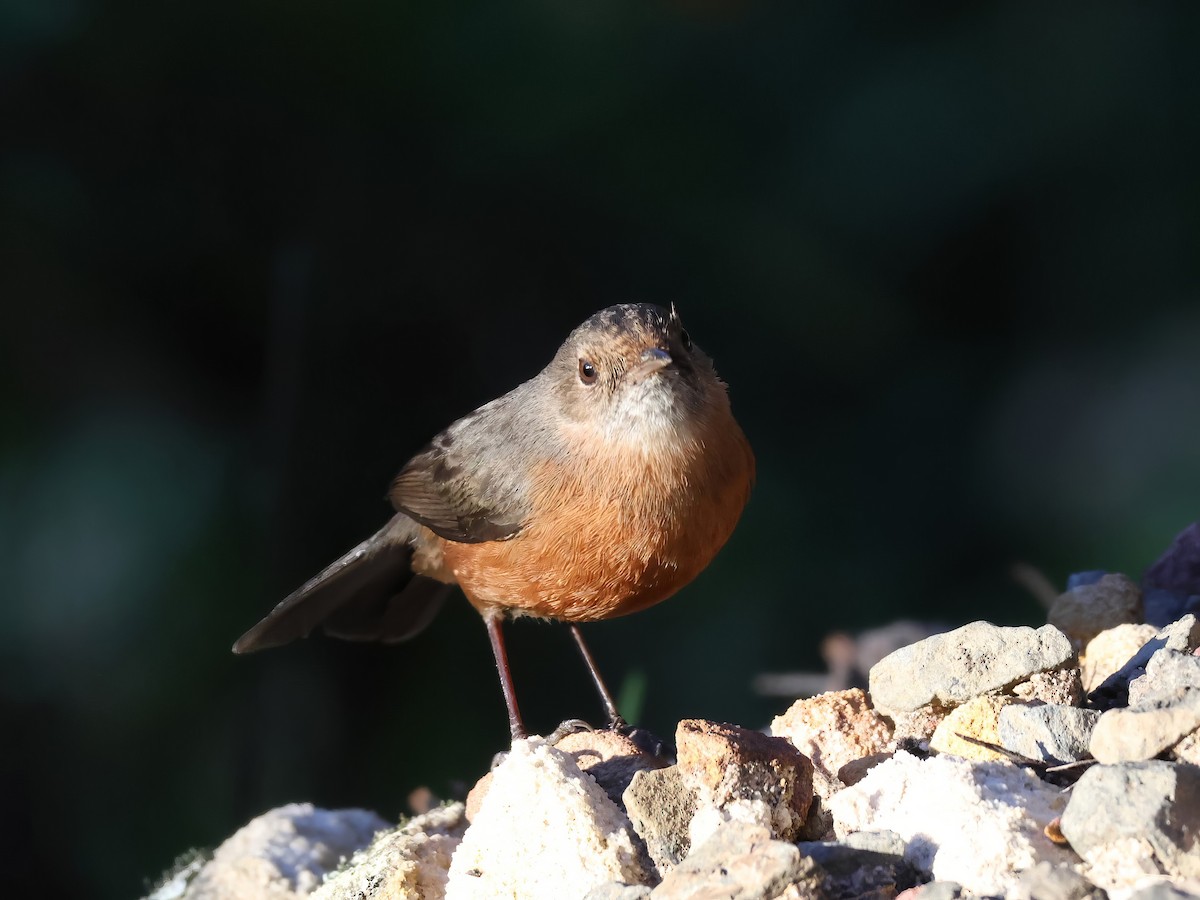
<point x="976" y="823"/>
<point x="408" y="863"/>
<point x="544" y="830"/>
<point x="284" y="853"/>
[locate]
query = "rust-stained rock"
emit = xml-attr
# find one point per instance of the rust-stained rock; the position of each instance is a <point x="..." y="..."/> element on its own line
<point x="834" y="729"/>
<point x="728" y="766"/>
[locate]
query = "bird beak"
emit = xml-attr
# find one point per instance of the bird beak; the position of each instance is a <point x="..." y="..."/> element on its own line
<point x="653" y="360"/>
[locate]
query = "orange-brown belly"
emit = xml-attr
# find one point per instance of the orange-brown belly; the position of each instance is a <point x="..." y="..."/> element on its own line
<point x="601" y="548"/>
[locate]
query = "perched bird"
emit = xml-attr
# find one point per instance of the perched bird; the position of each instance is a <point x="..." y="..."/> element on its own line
<point x="595" y="489"/>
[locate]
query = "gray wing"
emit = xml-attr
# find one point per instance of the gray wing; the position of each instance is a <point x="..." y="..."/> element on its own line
<point x="467" y="485"/>
<point x="370" y="594"/>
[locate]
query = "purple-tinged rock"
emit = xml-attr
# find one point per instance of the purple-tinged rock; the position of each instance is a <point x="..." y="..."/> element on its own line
<point x="1178" y="570"/>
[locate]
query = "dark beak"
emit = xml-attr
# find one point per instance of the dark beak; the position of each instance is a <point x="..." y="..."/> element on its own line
<point x="653" y="360"/>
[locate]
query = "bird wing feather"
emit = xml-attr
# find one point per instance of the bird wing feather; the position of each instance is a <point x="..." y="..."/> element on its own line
<point x="457" y="488"/>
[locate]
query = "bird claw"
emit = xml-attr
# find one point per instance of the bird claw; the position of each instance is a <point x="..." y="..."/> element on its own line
<point x="570" y="726"/>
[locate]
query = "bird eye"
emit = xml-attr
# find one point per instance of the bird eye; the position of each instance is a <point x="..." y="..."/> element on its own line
<point x="587" y="371"/>
<point x="686" y="339"/>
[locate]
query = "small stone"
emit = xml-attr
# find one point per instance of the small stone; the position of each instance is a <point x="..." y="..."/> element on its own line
<point x="1181" y="636"/>
<point x="1129" y="734"/>
<point x="1151" y="809"/>
<point x="1046" y="881"/>
<point x="934" y="890"/>
<point x="818" y="824"/>
<point x="975" y="721"/>
<point x="284" y="852"/>
<point x="616" y="891"/>
<point x="866" y="864"/>
<point x="969" y="822"/>
<point x="951" y="668"/>
<point x="918" y="726"/>
<point x="611" y="758"/>
<point x="1168" y="674"/>
<point x="1178" y="569"/>
<point x="854" y="772"/>
<point x="1108" y="651"/>
<point x="1188" y="749"/>
<point x="1164" y="890"/>
<point x="410" y="862"/>
<point x="1063" y="687"/>
<point x="475" y="796"/>
<point x="834" y="729"/>
<point x="1047" y="733"/>
<point x="1087" y="610"/>
<point x="739" y="861"/>
<point x="544" y="830"/>
<point x="728" y="765"/>
<point x="661" y="807"/>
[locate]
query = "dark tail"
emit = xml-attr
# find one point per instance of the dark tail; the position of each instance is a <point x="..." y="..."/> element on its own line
<point x="370" y="594"/>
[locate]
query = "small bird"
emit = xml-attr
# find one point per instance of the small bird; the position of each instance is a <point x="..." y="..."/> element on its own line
<point x="599" y="487"/>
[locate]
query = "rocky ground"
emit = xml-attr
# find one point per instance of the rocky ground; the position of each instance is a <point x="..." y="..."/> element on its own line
<point x="1054" y="763"/>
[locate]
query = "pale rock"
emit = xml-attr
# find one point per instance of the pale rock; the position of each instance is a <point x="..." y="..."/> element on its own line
<point x="1188" y="749"/>
<point x="411" y="862"/>
<point x="1135" y="819"/>
<point x="614" y="890"/>
<point x="864" y="864"/>
<point x="744" y="776"/>
<point x="834" y="729"/>
<point x="978" y="824"/>
<point x="609" y="757"/>
<point x="1164" y="889"/>
<point x="544" y="830"/>
<point x="916" y="726"/>
<point x="1108" y="651"/>
<point x="283" y="853"/>
<point x="1062" y="687"/>
<point x="977" y="718"/>
<point x="1122" y="865"/>
<point x="1129" y="734"/>
<point x="1167" y="675"/>
<point x="934" y="890"/>
<point x="1087" y="610"/>
<point x="854" y="772"/>
<point x="1047" y="881"/>
<point x="1181" y="636"/>
<point x="951" y="668"/>
<point x="738" y="862"/>
<point x="708" y="820"/>
<point x="1047" y="733"/>
<point x="661" y="808"/>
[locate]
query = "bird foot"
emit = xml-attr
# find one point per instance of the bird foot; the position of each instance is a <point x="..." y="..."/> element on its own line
<point x="570" y="726"/>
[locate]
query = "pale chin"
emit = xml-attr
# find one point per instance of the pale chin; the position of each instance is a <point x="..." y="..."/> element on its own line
<point x="646" y="413"/>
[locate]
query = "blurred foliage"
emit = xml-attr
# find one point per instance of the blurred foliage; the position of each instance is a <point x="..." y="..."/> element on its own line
<point x="257" y="253"/>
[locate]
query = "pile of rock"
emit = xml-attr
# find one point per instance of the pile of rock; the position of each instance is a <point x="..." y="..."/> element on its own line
<point x="1058" y="762"/>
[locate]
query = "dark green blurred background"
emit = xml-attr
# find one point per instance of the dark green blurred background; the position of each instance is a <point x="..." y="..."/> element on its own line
<point x="255" y="254"/>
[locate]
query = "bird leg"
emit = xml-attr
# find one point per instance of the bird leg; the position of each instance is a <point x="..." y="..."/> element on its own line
<point x="516" y="726"/>
<point x="615" y="722"/>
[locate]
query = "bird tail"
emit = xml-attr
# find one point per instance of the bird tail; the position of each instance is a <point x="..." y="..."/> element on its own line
<point x="370" y="594"/>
